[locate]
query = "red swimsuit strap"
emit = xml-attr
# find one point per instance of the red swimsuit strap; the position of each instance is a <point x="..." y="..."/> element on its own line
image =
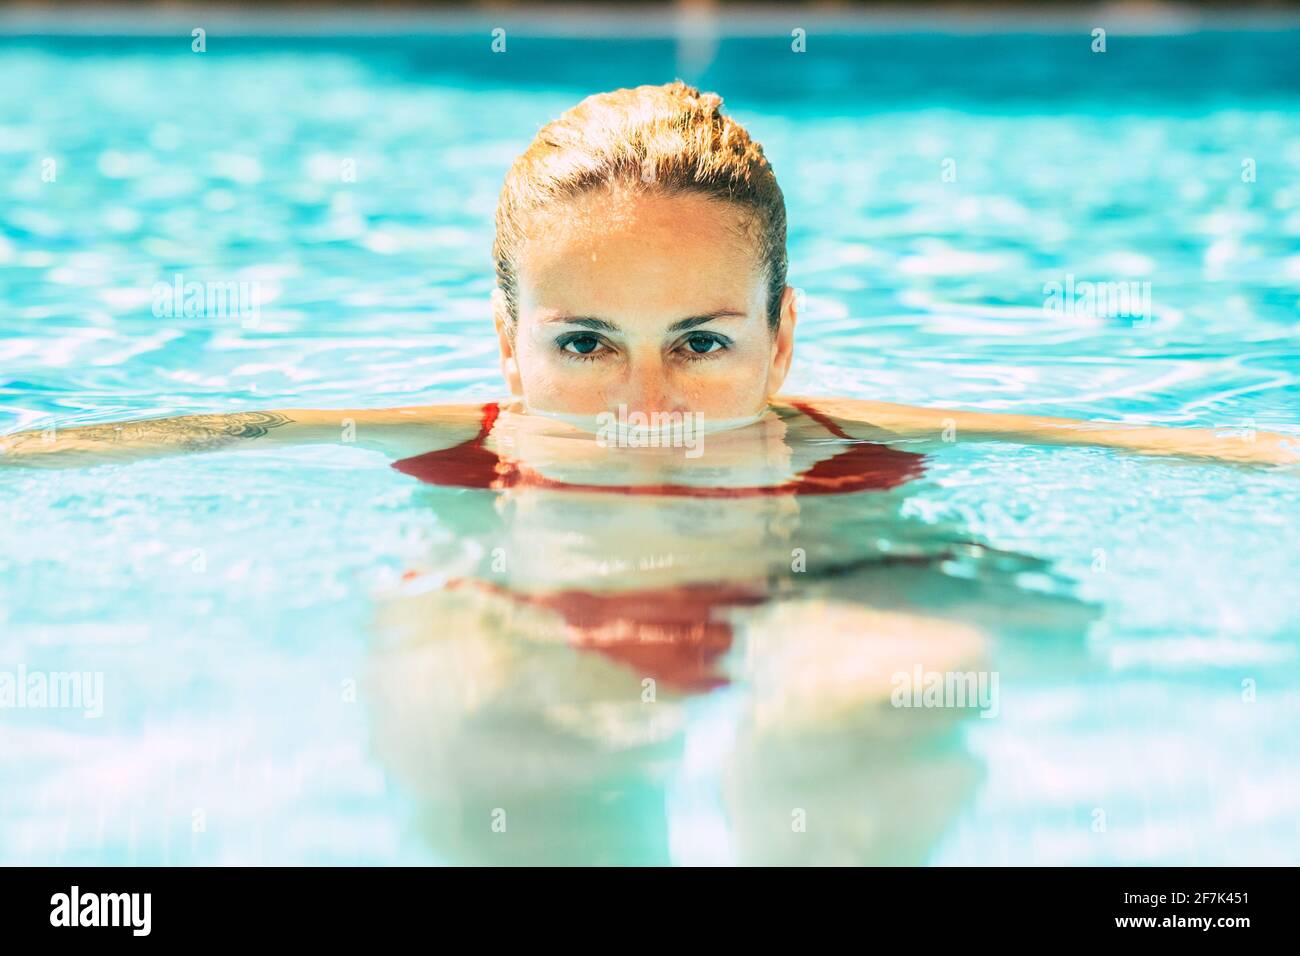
<point x="821" y="419"/>
<point x="490" y="412"/>
<point x="858" y="466"/>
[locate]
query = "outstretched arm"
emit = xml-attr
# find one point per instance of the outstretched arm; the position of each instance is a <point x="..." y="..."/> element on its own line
<point x="396" y="431"/>
<point x="1252" y="447"/>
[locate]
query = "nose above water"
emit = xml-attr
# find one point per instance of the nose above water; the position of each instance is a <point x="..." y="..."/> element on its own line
<point x="648" y="388"/>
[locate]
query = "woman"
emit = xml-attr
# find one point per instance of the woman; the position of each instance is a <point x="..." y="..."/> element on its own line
<point x="641" y="263"/>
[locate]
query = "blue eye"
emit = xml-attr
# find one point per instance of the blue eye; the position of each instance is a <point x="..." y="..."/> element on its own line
<point x="702" y="343"/>
<point x="581" y="345"/>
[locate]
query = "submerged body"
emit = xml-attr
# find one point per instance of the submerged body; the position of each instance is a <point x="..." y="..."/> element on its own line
<point x="551" y="675"/>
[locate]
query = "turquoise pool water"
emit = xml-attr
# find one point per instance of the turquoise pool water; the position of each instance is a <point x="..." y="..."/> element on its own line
<point x="1145" y="625"/>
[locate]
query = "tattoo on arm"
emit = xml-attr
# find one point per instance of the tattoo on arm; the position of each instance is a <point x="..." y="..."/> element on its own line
<point x="189" y="432"/>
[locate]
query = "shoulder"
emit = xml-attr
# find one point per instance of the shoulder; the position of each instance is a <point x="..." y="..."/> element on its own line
<point x="842" y="417"/>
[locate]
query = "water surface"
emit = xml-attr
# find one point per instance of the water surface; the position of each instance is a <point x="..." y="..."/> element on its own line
<point x="1142" y="613"/>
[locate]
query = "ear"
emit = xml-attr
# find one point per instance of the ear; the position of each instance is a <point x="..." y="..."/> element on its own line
<point x="783" y="346"/>
<point x="506" y="342"/>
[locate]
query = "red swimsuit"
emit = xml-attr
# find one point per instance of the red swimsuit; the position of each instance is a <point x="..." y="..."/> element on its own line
<point x="861" y="466"/>
<point x="676" y="635"/>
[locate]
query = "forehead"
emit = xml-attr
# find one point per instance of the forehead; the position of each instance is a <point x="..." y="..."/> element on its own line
<point x="617" y="251"/>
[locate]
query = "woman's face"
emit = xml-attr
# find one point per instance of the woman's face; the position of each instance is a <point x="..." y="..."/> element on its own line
<point x="652" y="302"/>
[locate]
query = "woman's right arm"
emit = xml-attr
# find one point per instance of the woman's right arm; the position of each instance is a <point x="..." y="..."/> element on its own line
<point x="396" y="431"/>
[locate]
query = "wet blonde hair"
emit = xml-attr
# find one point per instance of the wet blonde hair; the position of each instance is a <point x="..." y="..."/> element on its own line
<point x="670" y="139"/>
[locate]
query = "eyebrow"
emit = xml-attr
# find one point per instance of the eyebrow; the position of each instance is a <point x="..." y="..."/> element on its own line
<point x="601" y="325"/>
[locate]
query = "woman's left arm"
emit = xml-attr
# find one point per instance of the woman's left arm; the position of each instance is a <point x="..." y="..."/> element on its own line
<point x="1248" y="445"/>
